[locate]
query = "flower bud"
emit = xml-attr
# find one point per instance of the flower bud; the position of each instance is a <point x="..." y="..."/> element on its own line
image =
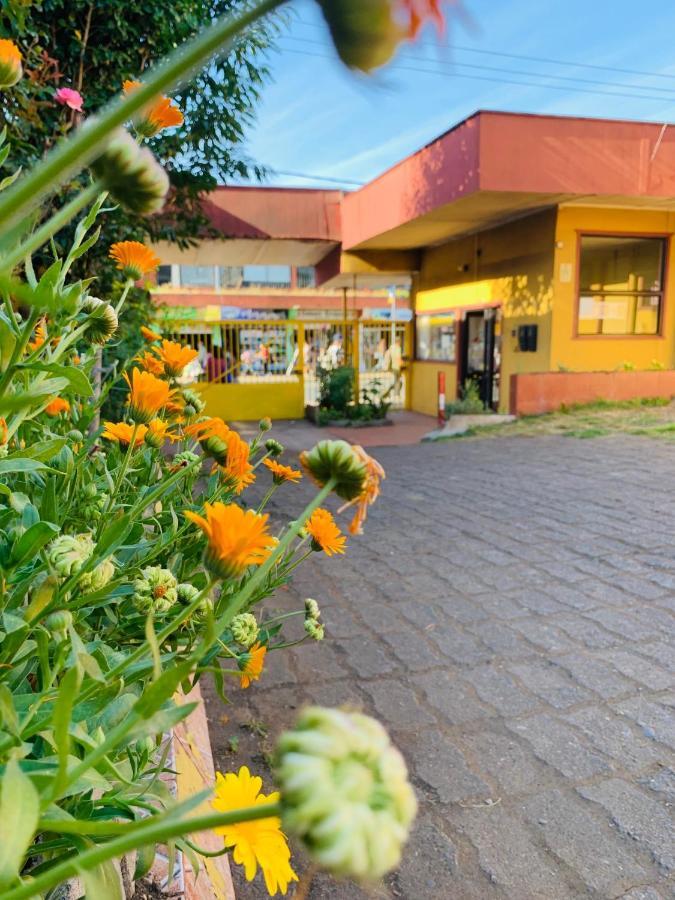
<point x="274" y="448"/>
<point x="156" y="590"/>
<point x="11" y="69"/>
<point x="58" y="623"/>
<point x="336" y="460"/>
<point x="244" y="629"/>
<point x="187" y="594"/>
<point x="312" y="610"/>
<point x="365" y="35"/>
<point x="132" y="175"/>
<point x="265" y="424"/>
<point x="75" y="435"/>
<point x="183" y="459"/>
<point x="102" y="319"/>
<point x="314" y="629"/>
<point x="68" y="553"/>
<point x="194" y="405"/>
<point x="98" y="577"/>
<point x="345" y="792"/>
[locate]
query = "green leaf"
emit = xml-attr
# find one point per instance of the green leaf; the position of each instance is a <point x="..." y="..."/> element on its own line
<point x="21" y="465"/>
<point x="19" y="812"/>
<point x="63" y="714"/>
<point x="40" y="450"/>
<point x="32" y="541"/>
<point x="7" y="341"/>
<point x="77" y="380"/>
<point x="160" y="722"/>
<point x="34" y="395"/>
<point x="113" y="535"/>
<point x="103" y="883"/>
<point x="145" y="857"/>
<point x="8" y="716"/>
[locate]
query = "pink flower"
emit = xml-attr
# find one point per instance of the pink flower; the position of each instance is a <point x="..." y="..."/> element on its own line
<point x="69" y="97"/>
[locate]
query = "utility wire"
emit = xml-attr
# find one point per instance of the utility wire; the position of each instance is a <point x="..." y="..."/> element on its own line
<point x="274" y="171"/>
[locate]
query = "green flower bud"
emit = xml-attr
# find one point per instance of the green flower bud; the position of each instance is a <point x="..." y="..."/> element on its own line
<point x="187" y="593"/>
<point x="274" y="448"/>
<point x="90" y="491"/>
<point x="4" y="451"/>
<point x="336" y="459"/>
<point x="314" y="629"/>
<point x="75" y="435"/>
<point x="98" y="578"/>
<point x="265" y="424"/>
<point x="131" y="174"/>
<point x="102" y="319"/>
<point x="68" y="553"/>
<point x="312" y="610"/>
<point x="58" y="623"/>
<point x="345" y="792"/>
<point x="184" y="458"/>
<point x="156" y="590"/>
<point x="194" y="405"/>
<point x="365" y="35"/>
<point x="244" y="629"/>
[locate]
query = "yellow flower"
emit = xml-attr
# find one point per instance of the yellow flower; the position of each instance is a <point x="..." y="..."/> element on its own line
<point x="324" y="532"/>
<point x="4" y="431"/>
<point x="147" y="395"/>
<point x="10" y="63"/>
<point x="258" y="843"/>
<point x="157" y="115"/>
<point x="158" y="432"/>
<point x="57" y="406"/>
<point x="121" y="433"/>
<point x="149" y="334"/>
<point x="369" y="493"/>
<point x="40" y="335"/>
<point x="175" y="357"/>
<point x="251" y="664"/>
<point x="237" y="470"/>
<point x="235" y="539"/>
<point x="134" y="259"/>
<point x="282" y="473"/>
<point x="150" y="363"/>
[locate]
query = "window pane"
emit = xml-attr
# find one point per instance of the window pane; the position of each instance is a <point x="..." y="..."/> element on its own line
<point x="231" y="276"/>
<point x="197" y="276"/>
<point x="164" y="275"/>
<point x="436" y="337"/>
<point x="619" y="314"/>
<point x="267" y="276"/>
<point x="306" y="276"/>
<point x="621" y="264"/>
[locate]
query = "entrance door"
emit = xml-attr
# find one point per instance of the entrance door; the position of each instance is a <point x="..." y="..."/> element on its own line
<point x="480" y="355"/>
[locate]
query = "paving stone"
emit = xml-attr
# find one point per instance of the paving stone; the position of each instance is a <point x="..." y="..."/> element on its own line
<point x="451" y="697"/>
<point x="573" y="597"/>
<point x="397" y="705"/>
<point x="497" y="688"/>
<point x="430" y="864"/>
<point x="640" y="669"/>
<point x="662" y="653"/>
<point x="638" y="816"/>
<point x="368" y="658"/>
<point x="537" y="601"/>
<point x="595" y="674"/>
<point x="550" y="683"/>
<point x="663" y="783"/>
<point x="586" y="633"/>
<point x="544" y="635"/>
<point x="586" y="843"/>
<point x="458" y="647"/>
<point x="507" y="761"/>
<point x="560" y="746"/>
<point x="443" y="767"/>
<point x="500" y="607"/>
<point x="657" y="720"/>
<point x="412" y="650"/>
<point x="625" y="624"/>
<point x="647" y="893"/>
<point x="501" y="639"/>
<point x="615" y="737"/>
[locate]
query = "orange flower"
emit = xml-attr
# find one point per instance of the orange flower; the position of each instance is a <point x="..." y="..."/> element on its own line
<point x="369" y="493"/>
<point x="4" y="431"/>
<point x="324" y="532"/>
<point x="158" y="432"/>
<point x="415" y="12"/>
<point x="213" y="435"/>
<point x="40" y="335"/>
<point x="282" y="473"/>
<point x="235" y="539"/>
<point x="147" y="395"/>
<point x="57" y="406"/>
<point x="157" y="115"/>
<point x="251" y="664"/>
<point x="150" y="363"/>
<point x="174" y="357"/>
<point x="134" y="259"/>
<point x="10" y="63"/>
<point x="121" y="433"/>
<point x="149" y="334"/>
<point x="237" y="470"/>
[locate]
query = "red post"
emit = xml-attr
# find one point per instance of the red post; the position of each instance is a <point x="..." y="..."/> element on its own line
<point x="441" y="399"/>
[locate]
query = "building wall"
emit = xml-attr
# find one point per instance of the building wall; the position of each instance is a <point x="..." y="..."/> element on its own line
<point x="424" y="385"/>
<point x="607" y="353"/>
<point x="510" y="266"/>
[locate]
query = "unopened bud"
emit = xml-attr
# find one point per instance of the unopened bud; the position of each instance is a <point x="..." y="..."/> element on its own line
<point x="132" y="175"/>
<point x="101" y="319"/>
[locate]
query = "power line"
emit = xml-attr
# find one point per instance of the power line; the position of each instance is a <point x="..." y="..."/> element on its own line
<point x="454" y="64"/>
<point x="540" y="59"/>
<point x="274" y="171"/>
<point x="456" y="75"/>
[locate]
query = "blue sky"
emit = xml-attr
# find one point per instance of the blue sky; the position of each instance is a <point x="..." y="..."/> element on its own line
<point x="317" y="118"/>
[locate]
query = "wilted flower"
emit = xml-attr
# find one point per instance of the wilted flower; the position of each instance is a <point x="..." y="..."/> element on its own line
<point x="244" y="629"/>
<point x="69" y="97"/>
<point x="159" y="114"/>
<point x="11" y="69"/>
<point x="369" y="492"/>
<point x="174" y="357"/>
<point x="257" y="843"/>
<point x="235" y="539"/>
<point x="69" y="552"/>
<point x="148" y="395"/>
<point x="57" y="406"/>
<point x="282" y="473"/>
<point x="251" y="664"/>
<point x="314" y="629"/>
<point x="336" y="460"/>
<point x="134" y="260"/>
<point x="102" y="319"/>
<point x="131" y="174"/>
<point x="345" y="792"/>
<point x="156" y="590"/>
<point x="324" y="532"/>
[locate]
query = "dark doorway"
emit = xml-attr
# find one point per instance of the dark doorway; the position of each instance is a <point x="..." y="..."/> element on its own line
<point x="480" y="355"/>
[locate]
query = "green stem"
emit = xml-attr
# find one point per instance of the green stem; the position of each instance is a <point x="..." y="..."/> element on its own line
<point x="119" y="479"/>
<point x="120" y="302"/>
<point x="49" y="228"/>
<point x="156" y="830"/>
<point x="265" y="500"/>
<point x="88" y="141"/>
<point x="19" y="348"/>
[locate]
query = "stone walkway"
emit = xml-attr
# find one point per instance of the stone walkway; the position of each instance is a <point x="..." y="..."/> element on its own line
<point x="509" y="614"/>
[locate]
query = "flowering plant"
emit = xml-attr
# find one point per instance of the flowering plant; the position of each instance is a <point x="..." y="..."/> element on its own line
<point x="130" y="566"/>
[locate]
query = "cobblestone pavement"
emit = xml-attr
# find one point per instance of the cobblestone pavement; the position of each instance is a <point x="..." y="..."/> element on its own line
<point x="509" y="614"/>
